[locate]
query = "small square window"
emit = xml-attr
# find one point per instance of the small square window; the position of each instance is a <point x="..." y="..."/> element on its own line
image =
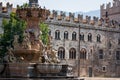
<point x="104" y="68"/>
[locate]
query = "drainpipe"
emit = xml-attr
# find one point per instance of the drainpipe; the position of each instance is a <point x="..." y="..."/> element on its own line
<point x="79" y="54"/>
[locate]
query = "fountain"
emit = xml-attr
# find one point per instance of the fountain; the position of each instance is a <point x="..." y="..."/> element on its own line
<point x="31" y="58"/>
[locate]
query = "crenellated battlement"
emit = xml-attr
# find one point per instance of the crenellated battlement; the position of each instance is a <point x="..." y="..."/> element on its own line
<point x="112" y="10"/>
<point x="34" y="12"/>
<point x="71" y="18"/>
<point x="7" y="8"/>
<point x="116" y="3"/>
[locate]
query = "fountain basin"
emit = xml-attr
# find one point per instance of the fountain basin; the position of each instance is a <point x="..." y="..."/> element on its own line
<point x="47" y="68"/>
<point x="27" y="55"/>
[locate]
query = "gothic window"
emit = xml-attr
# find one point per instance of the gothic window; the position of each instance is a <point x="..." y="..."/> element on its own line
<point x="109" y="44"/>
<point x="106" y="14"/>
<point x="72" y="53"/>
<point x="90" y="37"/>
<point x="74" y="36"/>
<point x="61" y="53"/>
<point x="66" y="35"/>
<point x="117" y="55"/>
<point x="57" y="35"/>
<point x="98" y="38"/>
<point x="83" y="53"/>
<point x="82" y="37"/>
<point x="100" y="54"/>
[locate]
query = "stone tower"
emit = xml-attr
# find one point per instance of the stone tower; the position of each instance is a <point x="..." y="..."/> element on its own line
<point x="33" y="3"/>
<point x="113" y="12"/>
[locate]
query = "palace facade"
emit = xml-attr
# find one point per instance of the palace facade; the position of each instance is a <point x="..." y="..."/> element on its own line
<point x="90" y="45"/>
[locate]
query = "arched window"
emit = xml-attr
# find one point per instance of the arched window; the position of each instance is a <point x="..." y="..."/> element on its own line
<point x="109" y="44"/>
<point x="83" y="53"/>
<point x="72" y="53"/>
<point x="66" y="35"/>
<point x="74" y="36"/>
<point x="57" y="35"/>
<point x="90" y="37"/>
<point x="82" y="37"/>
<point x="98" y="38"/>
<point x="61" y="53"/>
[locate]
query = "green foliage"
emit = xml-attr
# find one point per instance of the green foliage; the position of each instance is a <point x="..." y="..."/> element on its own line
<point x="11" y="27"/>
<point x="44" y="36"/>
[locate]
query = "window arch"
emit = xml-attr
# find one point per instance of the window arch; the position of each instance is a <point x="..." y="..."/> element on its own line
<point x="57" y="35"/>
<point x="65" y="35"/>
<point x="83" y="53"/>
<point x="74" y="36"/>
<point x="98" y="38"/>
<point x="82" y="37"/>
<point x="72" y="53"/>
<point x="90" y="37"/>
<point x="61" y="53"/>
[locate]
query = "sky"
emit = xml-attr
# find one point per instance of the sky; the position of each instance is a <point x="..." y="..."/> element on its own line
<point x="65" y="5"/>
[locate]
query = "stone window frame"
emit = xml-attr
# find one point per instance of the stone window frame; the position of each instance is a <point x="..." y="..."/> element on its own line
<point x="81" y="36"/>
<point x="72" y="53"/>
<point x="110" y="44"/>
<point x="99" y="38"/>
<point x="66" y="35"/>
<point x="57" y="35"/>
<point x="118" y="41"/>
<point x="104" y="68"/>
<point x="61" y="53"/>
<point x="89" y="37"/>
<point x="101" y="54"/>
<point x="74" y="36"/>
<point x="117" y="55"/>
<point x="83" y="54"/>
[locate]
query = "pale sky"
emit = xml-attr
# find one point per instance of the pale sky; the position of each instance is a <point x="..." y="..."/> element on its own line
<point x="65" y="5"/>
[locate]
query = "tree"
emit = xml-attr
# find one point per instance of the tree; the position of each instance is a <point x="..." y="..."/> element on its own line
<point x="11" y="27"/>
<point x="44" y="36"/>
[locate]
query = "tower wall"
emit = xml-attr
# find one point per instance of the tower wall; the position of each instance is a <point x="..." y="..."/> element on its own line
<point x="113" y="10"/>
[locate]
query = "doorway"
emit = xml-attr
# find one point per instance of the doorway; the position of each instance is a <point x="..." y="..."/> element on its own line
<point x="90" y="71"/>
